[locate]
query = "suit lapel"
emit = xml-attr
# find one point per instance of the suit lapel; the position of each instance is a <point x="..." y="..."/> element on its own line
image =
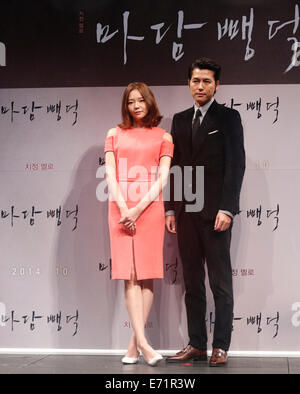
<point x="207" y="125"/>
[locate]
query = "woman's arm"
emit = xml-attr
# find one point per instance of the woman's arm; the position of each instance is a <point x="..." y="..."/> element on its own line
<point x="110" y="172"/>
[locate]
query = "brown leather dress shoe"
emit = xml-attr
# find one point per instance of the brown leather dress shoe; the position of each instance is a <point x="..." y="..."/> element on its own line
<point x="188" y="353"/>
<point x="218" y="358"/>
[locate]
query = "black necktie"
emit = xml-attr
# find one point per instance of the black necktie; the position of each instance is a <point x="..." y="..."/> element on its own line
<point x="196" y="124"/>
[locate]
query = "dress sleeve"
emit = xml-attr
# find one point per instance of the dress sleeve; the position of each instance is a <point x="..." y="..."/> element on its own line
<point x="166" y="148"/>
<point x="109" y="144"/>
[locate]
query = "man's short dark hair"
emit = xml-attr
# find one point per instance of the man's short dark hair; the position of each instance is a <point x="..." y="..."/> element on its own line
<point x="204" y="63"/>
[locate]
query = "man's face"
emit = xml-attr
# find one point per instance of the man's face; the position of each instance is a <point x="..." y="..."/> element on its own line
<point x="202" y="86"/>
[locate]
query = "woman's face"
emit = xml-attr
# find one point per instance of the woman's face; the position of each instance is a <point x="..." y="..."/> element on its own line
<point x="137" y="106"/>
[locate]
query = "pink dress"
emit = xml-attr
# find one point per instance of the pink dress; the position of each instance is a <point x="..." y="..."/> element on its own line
<point x="137" y="153"/>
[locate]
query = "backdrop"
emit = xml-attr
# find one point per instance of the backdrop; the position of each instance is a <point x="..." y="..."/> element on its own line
<point x="63" y="69"/>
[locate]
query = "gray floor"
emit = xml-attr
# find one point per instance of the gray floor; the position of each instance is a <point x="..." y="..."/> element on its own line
<point x="91" y="364"/>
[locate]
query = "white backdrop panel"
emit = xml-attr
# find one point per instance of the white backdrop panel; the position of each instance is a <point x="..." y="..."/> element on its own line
<point x="55" y="287"/>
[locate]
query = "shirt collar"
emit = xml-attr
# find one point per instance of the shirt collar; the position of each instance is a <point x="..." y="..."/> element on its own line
<point x="204" y="108"/>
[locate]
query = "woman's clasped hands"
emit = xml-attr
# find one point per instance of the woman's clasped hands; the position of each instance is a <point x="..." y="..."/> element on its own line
<point x="129" y="218"/>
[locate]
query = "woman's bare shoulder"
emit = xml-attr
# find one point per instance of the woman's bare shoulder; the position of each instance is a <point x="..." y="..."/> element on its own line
<point x="111" y="132"/>
<point x="167" y="136"/>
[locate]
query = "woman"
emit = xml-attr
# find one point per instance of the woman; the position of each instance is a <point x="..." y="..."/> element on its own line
<point x="138" y="157"/>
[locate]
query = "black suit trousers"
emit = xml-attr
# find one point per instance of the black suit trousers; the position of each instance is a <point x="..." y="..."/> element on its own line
<point x="200" y="244"/>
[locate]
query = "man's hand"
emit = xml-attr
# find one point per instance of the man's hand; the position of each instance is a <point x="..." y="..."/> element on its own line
<point x="222" y="222"/>
<point x="170" y="224"/>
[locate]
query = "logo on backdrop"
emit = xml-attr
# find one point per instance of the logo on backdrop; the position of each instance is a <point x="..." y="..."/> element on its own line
<point x="2" y="314"/>
<point x="296" y="316"/>
<point x="2" y="54"/>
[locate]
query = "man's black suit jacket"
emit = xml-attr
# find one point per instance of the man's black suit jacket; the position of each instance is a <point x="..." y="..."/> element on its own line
<point x="219" y="147"/>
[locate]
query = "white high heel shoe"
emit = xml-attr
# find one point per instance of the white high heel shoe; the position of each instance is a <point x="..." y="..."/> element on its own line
<point x="130" y="360"/>
<point x="155" y="360"/>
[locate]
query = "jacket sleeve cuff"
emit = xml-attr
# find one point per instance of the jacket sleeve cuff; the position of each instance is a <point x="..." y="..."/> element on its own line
<point x="226" y="212"/>
<point x="169" y="213"/>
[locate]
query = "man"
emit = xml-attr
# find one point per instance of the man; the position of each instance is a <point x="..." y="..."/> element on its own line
<point x="212" y="138"/>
